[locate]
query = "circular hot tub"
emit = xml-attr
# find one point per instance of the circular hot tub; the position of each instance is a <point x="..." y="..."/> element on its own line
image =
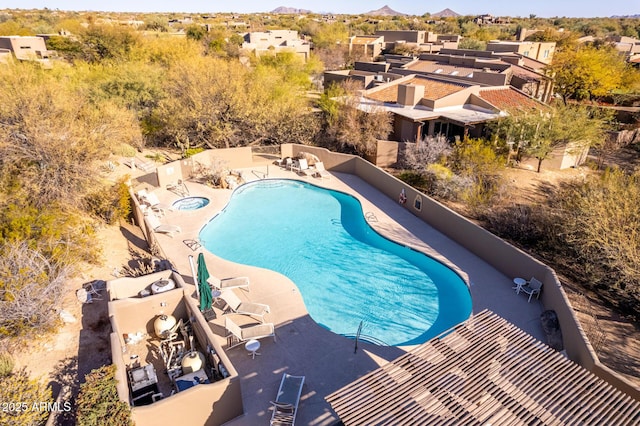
<point x="190" y="203"/>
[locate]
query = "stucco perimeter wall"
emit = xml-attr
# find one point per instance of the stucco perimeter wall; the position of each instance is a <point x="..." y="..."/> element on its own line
<point x="506" y="258"/>
<point x="231" y="157"/>
<point x="208" y="404"/>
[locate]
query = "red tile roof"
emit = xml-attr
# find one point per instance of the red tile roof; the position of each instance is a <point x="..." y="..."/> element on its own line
<point x="509" y="99"/>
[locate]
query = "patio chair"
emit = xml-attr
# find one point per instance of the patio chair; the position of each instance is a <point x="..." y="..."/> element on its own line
<point x="241" y="335"/>
<point x="161" y="228"/>
<point x="533" y="286"/>
<point x="228" y="283"/>
<point x="237" y="306"/>
<point x="321" y="172"/>
<point x="285" y="407"/>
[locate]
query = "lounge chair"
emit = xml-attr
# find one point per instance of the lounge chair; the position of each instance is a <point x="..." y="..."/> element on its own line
<point x="285" y="407"/>
<point x="285" y="163"/>
<point x="151" y="200"/>
<point x="301" y="166"/>
<point x="228" y="283"/>
<point x="156" y="226"/>
<point x="237" y="306"/>
<point x="321" y="172"/>
<point x="241" y="335"/>
<point x="533" y="286"/>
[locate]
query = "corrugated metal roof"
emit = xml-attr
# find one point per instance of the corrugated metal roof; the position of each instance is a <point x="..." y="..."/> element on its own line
<point x="485" y="372"/>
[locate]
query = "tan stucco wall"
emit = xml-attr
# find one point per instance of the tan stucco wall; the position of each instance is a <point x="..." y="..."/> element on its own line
<point x="562" y="157"/>
<point x="206" y="404"/>
<point x="126" y="287"/>
<point x="386" y="153"/>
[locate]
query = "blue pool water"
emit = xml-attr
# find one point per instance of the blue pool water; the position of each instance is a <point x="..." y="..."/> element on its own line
<point x="190" y="203"/>
<point x="346" y="272"/>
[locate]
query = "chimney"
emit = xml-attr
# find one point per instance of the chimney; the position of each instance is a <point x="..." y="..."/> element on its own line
<point x="410" y="94"/>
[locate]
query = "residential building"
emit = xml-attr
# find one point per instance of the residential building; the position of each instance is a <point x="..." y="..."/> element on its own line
<point x="366" y="47"/>
<point x="28" y="49"/>
<point x="541" y="51"/>
<point x="475" y="66"/>
<point x="488" y="19"/>
<point x="430" y="105"/>
<point x="629" y="46"/>
<point x="275" y="41"/>
<point x="423" y="41"/>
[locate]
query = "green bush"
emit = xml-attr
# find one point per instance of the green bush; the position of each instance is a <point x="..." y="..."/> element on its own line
<point x="98" y="403"/>
<point x="190" y="152"/>
<point x="415" y="179"/>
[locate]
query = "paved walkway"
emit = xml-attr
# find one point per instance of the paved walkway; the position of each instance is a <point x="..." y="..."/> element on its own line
<point x="302" y="347"/>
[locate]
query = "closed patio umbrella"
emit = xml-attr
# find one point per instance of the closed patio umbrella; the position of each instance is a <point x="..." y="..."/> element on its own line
<point x="206" y="299"/>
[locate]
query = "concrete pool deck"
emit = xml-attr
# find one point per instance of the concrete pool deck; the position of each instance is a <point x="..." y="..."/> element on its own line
<point x="302" y="347"/>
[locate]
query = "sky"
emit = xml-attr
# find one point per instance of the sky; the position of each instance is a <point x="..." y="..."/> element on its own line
<point x="540" y="8"/>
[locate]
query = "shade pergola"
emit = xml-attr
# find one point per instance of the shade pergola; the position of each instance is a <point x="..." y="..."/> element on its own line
<point x="486" y="371"/>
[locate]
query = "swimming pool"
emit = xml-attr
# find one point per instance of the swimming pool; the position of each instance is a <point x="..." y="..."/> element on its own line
<point x="346" y="272"/>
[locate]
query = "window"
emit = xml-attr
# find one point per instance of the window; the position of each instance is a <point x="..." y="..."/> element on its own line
<point x="545" y="54"/>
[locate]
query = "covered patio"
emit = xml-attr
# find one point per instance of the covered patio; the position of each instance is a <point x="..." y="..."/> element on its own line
<point x="487" y="371"/>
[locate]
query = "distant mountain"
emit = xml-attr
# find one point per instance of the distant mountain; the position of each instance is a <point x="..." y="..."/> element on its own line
<point x="385" y="11"/>
<point x="627" y="16"/>
<point x="292" y="10"/>
<point x="447" y="13"/>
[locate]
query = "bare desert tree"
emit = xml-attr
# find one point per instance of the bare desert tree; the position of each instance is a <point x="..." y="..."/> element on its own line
<point x="351" y="126"/>
<point x="418" y="156"/>
<point x="31" y="290"/>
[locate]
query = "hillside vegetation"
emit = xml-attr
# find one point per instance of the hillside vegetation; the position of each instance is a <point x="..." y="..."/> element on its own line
<point x="120" y="89"/>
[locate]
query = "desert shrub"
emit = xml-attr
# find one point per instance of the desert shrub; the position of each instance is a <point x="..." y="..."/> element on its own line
<point x="415" y="179"/>
<point x="98" y="403"/>
<point x="125" y="150"/>
<point x="110" y="204"/>
<point x="600" y="223"/>
<point x="432" y="149"/>
<point x="61" y="235"/>
<point x="6" y="364"/>
<point x="31" y="290"/>
<point x="19" y="388"/>
<point x="477" y="162"/>
<point x="588" y="228"/>
<point x="213" y="173"/>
